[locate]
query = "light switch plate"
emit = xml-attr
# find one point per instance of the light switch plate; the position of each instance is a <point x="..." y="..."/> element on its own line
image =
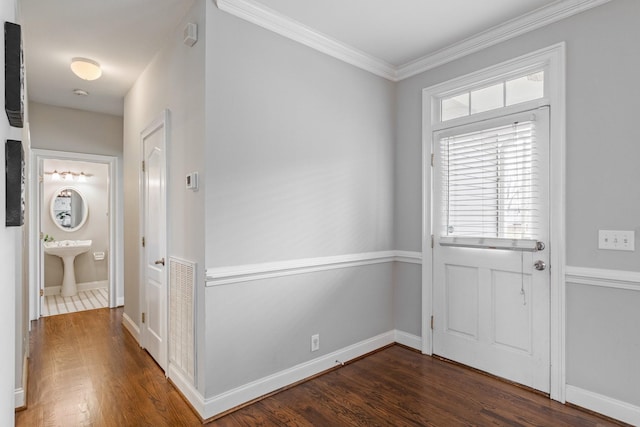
<point x="616" y="240"/>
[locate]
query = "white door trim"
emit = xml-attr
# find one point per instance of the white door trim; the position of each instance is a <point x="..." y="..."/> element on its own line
<point x="160" y="122"/>
<point x="553" y="58"/>
<point x="116" y="263"/>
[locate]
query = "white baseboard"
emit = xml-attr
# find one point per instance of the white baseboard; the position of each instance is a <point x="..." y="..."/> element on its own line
<point x="409" y="340"/>
<point x="613" y="408"/>
<point x="120" y="302"/>
<point x="86" y="286"/>
<point x="20" y="397"/>
<point x="131" y="326"/>
<point x="187" y="389"/>
<point x="20" y="394"/>
<point x="230" y="399"/>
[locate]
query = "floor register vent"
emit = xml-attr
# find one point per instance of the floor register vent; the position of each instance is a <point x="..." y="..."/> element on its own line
<point x="181" y="315"/>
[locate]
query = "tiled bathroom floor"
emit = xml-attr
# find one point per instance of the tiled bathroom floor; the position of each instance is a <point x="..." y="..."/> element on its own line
<point x="83" y="300"/>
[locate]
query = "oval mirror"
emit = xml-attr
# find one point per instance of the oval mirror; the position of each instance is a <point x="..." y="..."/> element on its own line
<point x="69" y="209"/>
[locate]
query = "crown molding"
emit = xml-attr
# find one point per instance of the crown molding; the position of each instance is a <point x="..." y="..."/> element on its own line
<point x="256" y="13"/>
<point x="269" y="19"/>
<point x="538" y="18"/>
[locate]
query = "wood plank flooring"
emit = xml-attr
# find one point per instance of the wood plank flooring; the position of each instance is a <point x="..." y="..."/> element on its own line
<point x="85" y="370"/>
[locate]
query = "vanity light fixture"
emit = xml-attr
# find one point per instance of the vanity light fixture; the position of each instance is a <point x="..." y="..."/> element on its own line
<point x="86" y="69"/>
<point x="68" y="176"/>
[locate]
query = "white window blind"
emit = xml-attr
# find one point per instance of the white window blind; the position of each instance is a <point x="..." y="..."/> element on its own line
<point x="491" y="187"/>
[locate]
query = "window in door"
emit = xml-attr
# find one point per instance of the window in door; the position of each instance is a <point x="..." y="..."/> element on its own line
<point x="490" y="180"/>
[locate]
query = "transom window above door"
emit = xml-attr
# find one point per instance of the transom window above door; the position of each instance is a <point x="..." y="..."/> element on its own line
<point x="503" y="93"/>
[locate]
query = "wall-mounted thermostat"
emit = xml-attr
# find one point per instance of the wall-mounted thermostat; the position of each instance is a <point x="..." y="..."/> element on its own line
<point x="192" y="181"/>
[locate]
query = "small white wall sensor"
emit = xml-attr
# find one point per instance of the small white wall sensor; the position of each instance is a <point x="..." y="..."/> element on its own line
<point x="192" y="181"/>
<point x="190" y="34"/>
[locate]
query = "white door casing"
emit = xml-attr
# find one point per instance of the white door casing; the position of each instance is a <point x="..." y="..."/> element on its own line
<point x="552" y="60"/>
<point x="154" y="234"/>
<point x="491" y="306"/>
<point x="36" y="199"/>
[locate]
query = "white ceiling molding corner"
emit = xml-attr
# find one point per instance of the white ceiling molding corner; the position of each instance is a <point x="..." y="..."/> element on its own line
<point x="271" y="20"/>
<point x="531" y="21"/>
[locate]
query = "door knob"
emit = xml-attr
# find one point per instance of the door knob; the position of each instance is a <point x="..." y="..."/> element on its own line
<point x="540" y="265"/>
<point x="161" y="261"/>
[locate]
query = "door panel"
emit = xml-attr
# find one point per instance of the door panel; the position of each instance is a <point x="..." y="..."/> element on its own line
<point x="490" y="305"/>
<point x="154" y="228"/>
<point x="462" y="300"/>
<point x="511" y="316"/>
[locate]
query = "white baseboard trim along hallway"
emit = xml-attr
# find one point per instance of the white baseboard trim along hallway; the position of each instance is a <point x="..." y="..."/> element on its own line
<point x="409" y="340"/>
<point x="605" y="405"/>
<point x="212" y="406"/>
<point x="131" y="326"/>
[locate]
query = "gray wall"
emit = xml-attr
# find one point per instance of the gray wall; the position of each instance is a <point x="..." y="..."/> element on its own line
<point x="407" y="298"/>
<point x="70" y="130"/>
<point x="603" y="343"/>
<point x="174" y="80"/>
<point x="299" y="150"/>
<point x="299" y="164"/>
<point x="602" y="172"/>
<point x="11" y="239"/>
<point x="259" y="328"/>
<point x="76" y="131"/>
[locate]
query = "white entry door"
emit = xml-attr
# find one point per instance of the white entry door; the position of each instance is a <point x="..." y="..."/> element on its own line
<point x="491" y="232"/>
<point x="154" y="299"/>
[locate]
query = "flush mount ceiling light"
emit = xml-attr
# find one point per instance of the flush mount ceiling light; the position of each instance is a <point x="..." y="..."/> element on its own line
<point x="86" y="69"/>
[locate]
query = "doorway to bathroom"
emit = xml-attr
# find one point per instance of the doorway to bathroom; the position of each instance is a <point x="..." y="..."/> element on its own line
<point x="75" y="252"/>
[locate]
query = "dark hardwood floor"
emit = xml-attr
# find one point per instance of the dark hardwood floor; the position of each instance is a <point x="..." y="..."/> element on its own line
<point x="85" y="370"/>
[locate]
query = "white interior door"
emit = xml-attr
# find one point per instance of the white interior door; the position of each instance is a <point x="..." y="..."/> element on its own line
<point x="490" y="275"/>
<point x="154" y="222"/>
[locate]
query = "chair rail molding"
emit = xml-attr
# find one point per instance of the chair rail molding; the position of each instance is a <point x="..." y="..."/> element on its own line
<point x="216" y="276"/>
<point x="618" y="279"/>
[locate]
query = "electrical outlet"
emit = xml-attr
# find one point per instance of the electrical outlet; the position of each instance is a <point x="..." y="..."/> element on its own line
<point x="616" y="240"/>
<point x="315" y="342"/>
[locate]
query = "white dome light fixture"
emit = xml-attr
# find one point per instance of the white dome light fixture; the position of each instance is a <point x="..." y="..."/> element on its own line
<point x="86" y="69"/>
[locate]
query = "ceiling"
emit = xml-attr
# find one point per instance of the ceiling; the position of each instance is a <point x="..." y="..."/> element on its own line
<point x="400" y="31"/>
<point x="385" y="37"/>
<point x="121" y="35"/>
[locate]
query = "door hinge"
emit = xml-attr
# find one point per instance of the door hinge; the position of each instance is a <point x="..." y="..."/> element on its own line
<point x="40" y="178"/>
<point x="432" y="241"/>
<point x="432" y="323"/>
<point x="41" y="292"/>
<point x="432" y="157"/>
<point x="41" y="235"/>
<point x="143" y="166"/>
<point x="143" y="242"/>
<point x="143" y="317"/>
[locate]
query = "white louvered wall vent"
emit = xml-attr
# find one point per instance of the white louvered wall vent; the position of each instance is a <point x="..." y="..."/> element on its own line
<point x="181" y="315"/>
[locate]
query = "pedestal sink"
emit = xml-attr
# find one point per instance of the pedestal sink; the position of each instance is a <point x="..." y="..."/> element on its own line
<point x="68" y="250"/>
